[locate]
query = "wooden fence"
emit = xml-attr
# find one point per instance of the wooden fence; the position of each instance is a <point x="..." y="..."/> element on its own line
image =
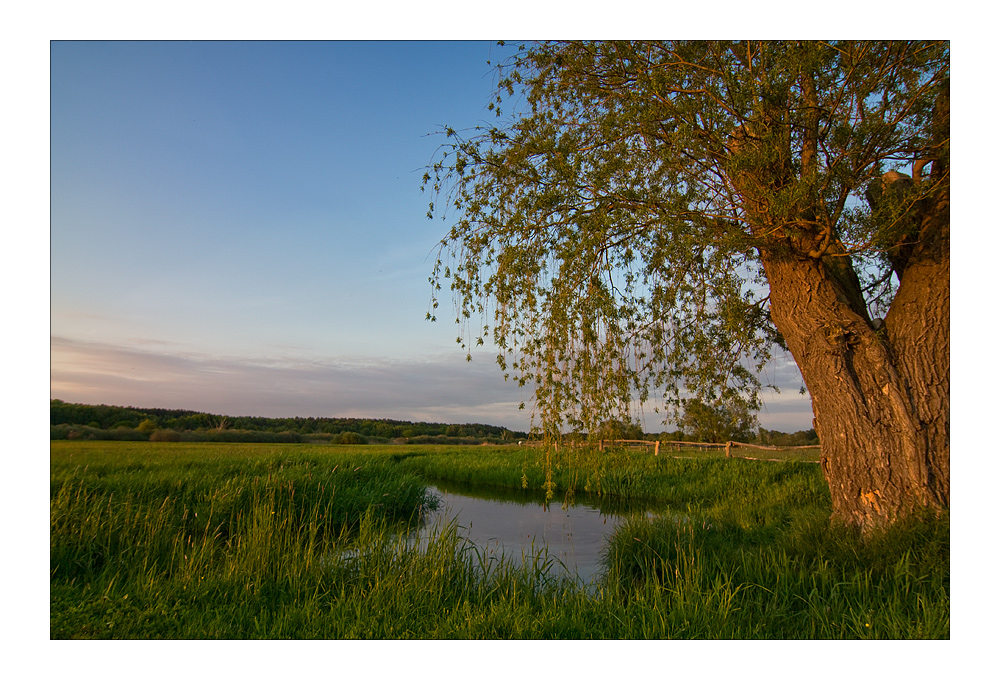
<point x="730" y="445"/>
<point x="677" y="445"/>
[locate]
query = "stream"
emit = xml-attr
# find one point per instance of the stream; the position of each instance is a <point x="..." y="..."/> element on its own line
<point x="515" y="523"/>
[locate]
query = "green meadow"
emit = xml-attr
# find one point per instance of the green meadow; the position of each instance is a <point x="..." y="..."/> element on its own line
<point x="155" y="540"/>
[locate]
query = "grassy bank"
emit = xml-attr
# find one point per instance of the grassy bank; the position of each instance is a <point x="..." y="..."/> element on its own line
<point x="181" y="540"/>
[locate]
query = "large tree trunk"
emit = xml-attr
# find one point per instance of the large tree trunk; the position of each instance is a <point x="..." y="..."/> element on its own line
<point x="880" y="390"/>
<point x="880" y="398"/>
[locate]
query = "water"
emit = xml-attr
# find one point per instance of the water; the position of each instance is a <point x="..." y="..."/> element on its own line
<point x="515" y="524"/>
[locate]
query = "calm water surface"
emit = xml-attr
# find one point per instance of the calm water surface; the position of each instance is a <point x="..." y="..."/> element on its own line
<point x="514" y="524"/>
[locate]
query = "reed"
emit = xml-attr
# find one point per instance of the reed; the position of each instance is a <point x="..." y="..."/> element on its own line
<point x="224" y="541"/>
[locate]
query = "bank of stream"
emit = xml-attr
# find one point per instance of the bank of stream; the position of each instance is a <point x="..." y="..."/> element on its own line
<point x="513" y="524"/>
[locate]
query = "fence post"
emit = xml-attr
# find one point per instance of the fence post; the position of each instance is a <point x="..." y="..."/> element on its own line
<point x="728" y="444"/>
<point x="656" y="451"/>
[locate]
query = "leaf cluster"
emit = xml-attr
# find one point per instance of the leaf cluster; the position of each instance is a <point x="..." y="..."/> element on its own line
<point x="607" y="237"/>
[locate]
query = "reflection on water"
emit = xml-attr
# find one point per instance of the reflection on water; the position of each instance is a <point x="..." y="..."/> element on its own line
<point x="515" y="523"/>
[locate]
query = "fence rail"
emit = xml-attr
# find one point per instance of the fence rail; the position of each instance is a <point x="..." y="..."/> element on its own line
<point x="677" y="445"/>
<point x="730" y="445"/>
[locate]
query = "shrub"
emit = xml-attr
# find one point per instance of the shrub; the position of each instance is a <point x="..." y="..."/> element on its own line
<point x="254" y="436"/>
<point x="65" y="431"/>
<point x="348" y="438"/>
<point x="165" y="436"/>
<point x="124" y="434"/>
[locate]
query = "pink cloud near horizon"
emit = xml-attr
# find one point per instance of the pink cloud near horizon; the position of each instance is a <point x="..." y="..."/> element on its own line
<point x="443" y="388"/>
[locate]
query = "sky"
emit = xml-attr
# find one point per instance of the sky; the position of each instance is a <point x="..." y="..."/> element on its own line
<point x="239" y="228"/>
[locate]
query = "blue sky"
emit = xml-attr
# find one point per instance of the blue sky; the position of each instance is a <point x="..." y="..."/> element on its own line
<point x="238" y="227"/>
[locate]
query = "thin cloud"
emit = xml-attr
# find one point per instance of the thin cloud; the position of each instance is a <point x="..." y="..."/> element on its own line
<point x="444" y="388"/>
<point x="787" y="410"/>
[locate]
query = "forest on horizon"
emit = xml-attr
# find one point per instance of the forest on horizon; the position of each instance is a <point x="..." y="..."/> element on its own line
<point x="86" y="421"/>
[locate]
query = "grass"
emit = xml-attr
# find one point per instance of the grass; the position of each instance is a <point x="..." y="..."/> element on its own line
<point x="263" y="541"/>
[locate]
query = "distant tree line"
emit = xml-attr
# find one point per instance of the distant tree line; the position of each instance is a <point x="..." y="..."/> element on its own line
<point x="762" y="436"/>
<point x="717" y="423"/>
<point x="126" y="422"/>
<point x="83" y="421"/>
<point x="775" y="438"/>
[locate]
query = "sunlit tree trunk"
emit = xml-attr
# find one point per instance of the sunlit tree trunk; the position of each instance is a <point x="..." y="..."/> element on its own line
<point x="881" y="402"/>
<point x="880" y="388"/>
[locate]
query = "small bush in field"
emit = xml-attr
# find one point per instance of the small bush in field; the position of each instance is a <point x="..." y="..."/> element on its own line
<point x="348" y="438"/>
<point x="165" y="436"/>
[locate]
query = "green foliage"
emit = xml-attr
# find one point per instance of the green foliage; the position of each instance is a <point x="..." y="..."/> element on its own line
<point x="715" y="423"/>
<point x="210" y="541"/>
<point x="814" y="581"/>
<point x="775" y="438"/>
<point x="348" y="438"/>
<point x="111" y="500"/>
<point x="195" y="426"/>
<point x="65" y="431"/>
<point x="616" y="429"/>
<point x="608" y="238"/>
<point x="242" y="436"/>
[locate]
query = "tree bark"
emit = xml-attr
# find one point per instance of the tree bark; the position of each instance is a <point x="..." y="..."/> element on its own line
<point x="880" y="398"/>
<point x="880" y="390"/>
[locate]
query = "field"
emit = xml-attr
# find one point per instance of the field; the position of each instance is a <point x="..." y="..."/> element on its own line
<point x="252" y="541"/>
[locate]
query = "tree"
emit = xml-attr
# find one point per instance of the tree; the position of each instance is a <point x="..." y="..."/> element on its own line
<point x="617" y="429"/>
<point x="657" y="219"/>
<point x="777" y="438"/>
<point x="715" y="423"/>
